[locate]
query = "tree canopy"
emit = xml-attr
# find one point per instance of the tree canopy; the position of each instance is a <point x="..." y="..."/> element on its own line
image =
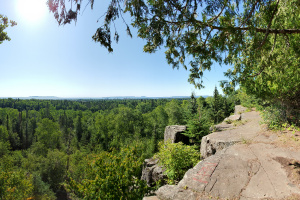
<point x="92" y="149"/>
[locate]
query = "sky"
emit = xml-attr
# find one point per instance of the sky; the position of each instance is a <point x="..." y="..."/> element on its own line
<point x="44" y="59"/>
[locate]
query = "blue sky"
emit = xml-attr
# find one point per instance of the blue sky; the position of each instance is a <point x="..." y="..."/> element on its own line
<point x="44" y="59"/>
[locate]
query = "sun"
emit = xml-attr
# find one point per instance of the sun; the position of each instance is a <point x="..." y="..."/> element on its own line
<point x="32" y="11"/>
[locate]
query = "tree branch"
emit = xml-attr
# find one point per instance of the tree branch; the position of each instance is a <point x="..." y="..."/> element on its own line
<point x="216" y="17"/>
<point x="204" y="44"/>
<point x="260" y="30"/>
<point x="269" y="25"/>
<point x="263" y="68"/>
<point x="250" y="14"/>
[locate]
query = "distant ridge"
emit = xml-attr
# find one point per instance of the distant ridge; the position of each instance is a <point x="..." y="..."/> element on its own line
<point x="42" y="97"/>
<point x="100" y="98"/>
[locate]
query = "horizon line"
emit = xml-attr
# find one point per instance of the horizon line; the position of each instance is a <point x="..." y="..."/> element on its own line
<point x="105" y="97"/>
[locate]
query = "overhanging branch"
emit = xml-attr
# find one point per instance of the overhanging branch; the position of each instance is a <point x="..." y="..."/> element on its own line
<point x="260" y="30"/>
<point x="269" y="25"/>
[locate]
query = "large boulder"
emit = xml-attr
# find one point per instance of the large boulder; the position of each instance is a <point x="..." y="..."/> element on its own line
<point x="152" y="172"/>
<point x="174" y="134"/>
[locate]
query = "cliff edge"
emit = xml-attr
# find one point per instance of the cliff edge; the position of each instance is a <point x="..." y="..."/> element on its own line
<point x="244" y="161"/>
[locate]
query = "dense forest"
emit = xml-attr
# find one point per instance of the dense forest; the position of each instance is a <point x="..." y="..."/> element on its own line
<point x="92" y="148"/>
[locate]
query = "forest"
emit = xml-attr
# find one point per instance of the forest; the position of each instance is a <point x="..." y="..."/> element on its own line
<point x="94" y="149"/>
<point x="88" y="149"/>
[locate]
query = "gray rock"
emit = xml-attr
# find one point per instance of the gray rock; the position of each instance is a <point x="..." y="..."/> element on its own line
<point x="220" y="127"/>
<point x="238" y="109"/>
<point x="151" y="198"/>
<point x="225" y="125"/>
<point x="152" y="172"/>
<point x="174" y="134"/>
<point x="215" y="176"/>
<point x="242" y="171"/>
<point x="230" y="135"/>
<point x="232" y="118"/>
<point x="210" y="144"/>
<point x="173" y="192"/>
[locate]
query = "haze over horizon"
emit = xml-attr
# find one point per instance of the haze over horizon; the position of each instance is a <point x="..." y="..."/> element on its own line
<point x="44" y="59"/>
<point x="107" y="97"/>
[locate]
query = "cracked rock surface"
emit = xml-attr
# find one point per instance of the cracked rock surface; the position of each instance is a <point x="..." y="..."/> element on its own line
<point x="252" y="168"/>
<point x="246" y="131"/>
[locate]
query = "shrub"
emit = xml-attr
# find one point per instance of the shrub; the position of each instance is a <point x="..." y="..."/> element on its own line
<point x="4" y="148"/>
<point x="177" y="158"/>
<point x="247" y="100"/>
<point x="228" y="121"/>
<point x="111" y="175"/>
<point x="274" y="117"/>
<point x="54" y="169"/>
<point x="15" y="184"/>
<point x="41" y="189"/>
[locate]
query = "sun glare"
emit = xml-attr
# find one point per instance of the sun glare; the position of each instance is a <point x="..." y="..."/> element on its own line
<point x="32" y="11"/>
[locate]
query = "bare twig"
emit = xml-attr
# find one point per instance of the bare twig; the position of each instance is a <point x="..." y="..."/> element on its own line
<point x="86" y="7"/>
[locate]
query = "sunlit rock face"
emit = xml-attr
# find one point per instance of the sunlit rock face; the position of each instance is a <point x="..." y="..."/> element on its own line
<point x="174" y="134"/>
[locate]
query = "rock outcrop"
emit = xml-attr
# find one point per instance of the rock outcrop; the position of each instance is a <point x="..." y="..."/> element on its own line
<point x="238" y="109"/>
<point x="242" y="171"/>
<point x="227" y="122"/>
<point x="174" y="134"/>
<point x="241" y="163"/>
<point x="152" y="172"/>
<point x="232" y="118"/>
<point x="231" y="134"/>
<point x="220" y="127"/>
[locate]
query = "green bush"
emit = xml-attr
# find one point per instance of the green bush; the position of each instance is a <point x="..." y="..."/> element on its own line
<point x="247" y="100"/>
<point x="274" y="117"/>
<point x="177" y="158"/>
<point x="49" y="172"/>
<point x="15" y="184"/>
<point x="111" y="175"/>
<point x="54" y="169"/>
<point x="4" y="148"/>
<point x="41" y="190"/>
<point x="4" y="144"/>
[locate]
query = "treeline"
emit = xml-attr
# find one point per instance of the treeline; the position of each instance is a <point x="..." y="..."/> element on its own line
<point x="80" y="104"/>
<point x="48" y="147"/>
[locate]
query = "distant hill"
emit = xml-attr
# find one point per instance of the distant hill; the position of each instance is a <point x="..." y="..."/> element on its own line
<point x="42" y="97"/>
<point x="108" y="98"/>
